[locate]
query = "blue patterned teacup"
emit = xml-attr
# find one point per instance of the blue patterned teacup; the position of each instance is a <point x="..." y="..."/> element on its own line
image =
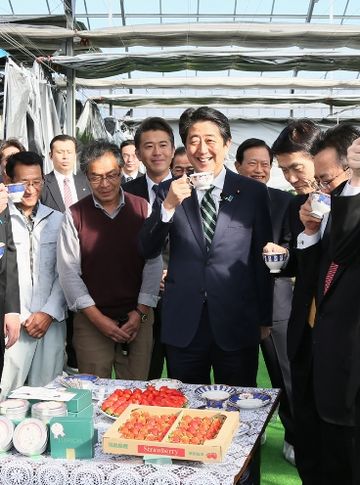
<point x="2" y="249"/>
<point x="320" y="204"/>
<point x="274" y="261"/>
<point x="16" y="192"/>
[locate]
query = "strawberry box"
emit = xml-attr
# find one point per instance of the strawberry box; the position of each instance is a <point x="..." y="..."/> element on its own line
<point x="208" y="433"/>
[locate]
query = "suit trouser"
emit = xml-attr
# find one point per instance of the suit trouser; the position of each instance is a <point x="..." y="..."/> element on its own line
<point x="97" y="354"/>
<point x="323" y="450"/>
<point x="192" y="364"/>
<point x="34" y="361"/>
<point x="274" y="349"/>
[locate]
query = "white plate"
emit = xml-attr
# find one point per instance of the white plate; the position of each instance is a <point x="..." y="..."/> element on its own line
<point x="202" y="391"/>
<point x="250" y="400"/>
<point x="30" y="437"/>
<point x="170" y="383"/>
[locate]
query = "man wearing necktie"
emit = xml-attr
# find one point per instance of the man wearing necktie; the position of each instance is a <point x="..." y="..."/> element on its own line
<point x="131" y="163"/>
<point x="328" y="258"/>
<point x="63" y="188"/>
<point x="217" y="294"/>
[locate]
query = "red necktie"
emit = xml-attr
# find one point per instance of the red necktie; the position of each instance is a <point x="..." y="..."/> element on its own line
<point x="67" y="193"/>
<point x="330" y="276"/>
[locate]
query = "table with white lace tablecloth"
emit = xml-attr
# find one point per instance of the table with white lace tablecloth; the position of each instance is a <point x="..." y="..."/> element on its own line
<point x="107" y="469"/>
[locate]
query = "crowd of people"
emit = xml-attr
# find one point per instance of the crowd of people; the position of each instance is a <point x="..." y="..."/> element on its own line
<point x="111" y="271"/>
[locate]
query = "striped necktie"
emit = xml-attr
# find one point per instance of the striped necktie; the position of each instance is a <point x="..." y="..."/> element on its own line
<point x="208" y="217"/>
<point x="330" y="276"/>
<point x="67" y="193"/>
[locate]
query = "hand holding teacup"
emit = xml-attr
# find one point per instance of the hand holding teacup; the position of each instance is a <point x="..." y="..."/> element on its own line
<point x="3" y="197"/>
<point x="274" y="256"/>
<point x="178" y="191"/>
<point x="311" y="223"/>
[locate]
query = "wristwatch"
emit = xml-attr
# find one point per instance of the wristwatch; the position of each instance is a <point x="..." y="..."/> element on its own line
<point x="143" y="316"/>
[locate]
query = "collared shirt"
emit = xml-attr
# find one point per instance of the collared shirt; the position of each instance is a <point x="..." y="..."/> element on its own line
<point x="218" y="184"/>
<point x="150" y="185"/>
<point x="304" y="240"/>
<point x="60" y="180"/>
<point x="132" y="176"/>
<point x="69" y="265"/>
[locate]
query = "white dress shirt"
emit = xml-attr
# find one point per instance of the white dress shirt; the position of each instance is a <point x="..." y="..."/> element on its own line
<point x="60" y="180"/>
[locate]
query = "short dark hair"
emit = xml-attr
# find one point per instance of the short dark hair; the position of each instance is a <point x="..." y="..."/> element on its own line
<point x="154" y="123"/>
<point x="204" y="113"/>
<point x="11" y="142"/>
<point x="298" y="136"/>
<point x="97" y="149"/>
<point x="124" y="144"/>
<point x="63" y="138"/>
<point x="339" y="137"/>
<point x="23" y="158"/>
<point x="252" y="143"/>
<point x="179" y="151"/>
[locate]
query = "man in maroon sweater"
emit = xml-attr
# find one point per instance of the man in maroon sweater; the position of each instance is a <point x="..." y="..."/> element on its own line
<point x="105" y="279"/>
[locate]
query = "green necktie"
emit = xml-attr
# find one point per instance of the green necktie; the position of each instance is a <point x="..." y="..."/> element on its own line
<point x="208" y="216"/>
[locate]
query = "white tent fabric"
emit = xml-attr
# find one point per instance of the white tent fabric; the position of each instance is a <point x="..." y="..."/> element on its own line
<point x="29" y="109"/>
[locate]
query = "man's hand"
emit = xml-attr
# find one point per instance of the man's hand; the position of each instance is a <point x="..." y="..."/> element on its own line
<point x="107" y="326"/>
<point x="271" y="247"/>
<point x="11" y="328"/>
<point x="3" y="197"/>
<point x="37" y="324"/>
<point x="179" y="190"/>
<point x="162" y="282"/>
<point x="311" y="223"/>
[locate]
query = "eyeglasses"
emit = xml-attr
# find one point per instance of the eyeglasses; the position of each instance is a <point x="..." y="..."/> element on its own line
<point x="37" y="184"/>
<point x="112" y="178"/>
<point x="182" y="170"/>
<point x="325" y="184"/>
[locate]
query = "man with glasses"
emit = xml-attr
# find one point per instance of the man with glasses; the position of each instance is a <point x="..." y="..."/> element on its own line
<point x="131" y="163"/>
<point x="180" y="163"/>
<point x="105" y="280"/>
<point x="330" y="152"/>
<point x="38" y="356"/>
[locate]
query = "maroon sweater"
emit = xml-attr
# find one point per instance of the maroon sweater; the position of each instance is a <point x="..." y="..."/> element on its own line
<point x="110" y="261"/>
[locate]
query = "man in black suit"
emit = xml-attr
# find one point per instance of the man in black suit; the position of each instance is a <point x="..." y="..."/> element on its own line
<point x="254" y="159"/>
<point x="62" y="188"/>
<point x="154" y="140"/>
<point x="131" y="163"/>
<point x="9" y="286"/>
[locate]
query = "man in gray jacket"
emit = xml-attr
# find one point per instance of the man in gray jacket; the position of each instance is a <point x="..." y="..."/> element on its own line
<point x="38" y="355"/>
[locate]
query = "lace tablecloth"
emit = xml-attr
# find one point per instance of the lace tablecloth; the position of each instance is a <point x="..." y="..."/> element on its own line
<point x="106" y="469"/>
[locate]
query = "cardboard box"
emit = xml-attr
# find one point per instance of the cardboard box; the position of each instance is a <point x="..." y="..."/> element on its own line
<point x="81" y="400"/>
<point x="211" y="451"/>
<point x="72" y="438"/>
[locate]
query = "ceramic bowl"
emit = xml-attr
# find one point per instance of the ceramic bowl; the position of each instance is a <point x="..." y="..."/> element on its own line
<point x="274" y="261"/>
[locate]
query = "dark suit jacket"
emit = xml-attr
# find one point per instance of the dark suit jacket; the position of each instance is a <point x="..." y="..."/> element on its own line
<point x="51" y="195"/>
<point x="9" y="286"/>
<point x="124" y="177"/>
<point x="231" y="277"/>
<point x="336" y="334"/>
<point x="137" y="187"/>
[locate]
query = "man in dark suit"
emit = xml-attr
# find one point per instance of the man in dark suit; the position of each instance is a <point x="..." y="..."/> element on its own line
<point x="254" y="159"/>
<point x="131" y="163"/>
<point x="218" y="294"/>
<point x="153" y="149"/>
<point x="9" y="286"/>
<point x="62" y="188"/>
